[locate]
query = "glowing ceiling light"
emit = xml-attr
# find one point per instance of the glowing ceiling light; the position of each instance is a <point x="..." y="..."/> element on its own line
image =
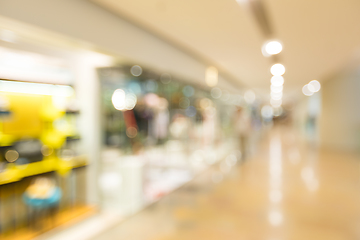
<point x="130" y="101"/>
<point x="279" y="94"/>
<point x="271" y="48"/>
<point x="276" y="89"/>
<point x="277" y="81"/>
<point x="211" y="76"/>
<point x="118" y="99"/>
<point x="277" y="69"/>
<point x="306" y="91"/>
<point x="275" y="103"/>
<point x="314" y="86"/>
<point x="276" y="97"/>
<point x="242" y="1"/>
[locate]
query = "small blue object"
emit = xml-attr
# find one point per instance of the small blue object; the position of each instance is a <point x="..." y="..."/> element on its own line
<point x="40" y="203"/>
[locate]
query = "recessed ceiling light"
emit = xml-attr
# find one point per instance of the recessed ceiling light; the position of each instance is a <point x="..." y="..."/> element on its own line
<point x="277" y="69"/>
<point x="271" y="48"/>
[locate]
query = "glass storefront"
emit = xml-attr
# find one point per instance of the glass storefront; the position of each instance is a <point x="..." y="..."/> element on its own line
<point x="158" y="133"/>
<point x="81" y="136"/>
<point x="42" y="165"/>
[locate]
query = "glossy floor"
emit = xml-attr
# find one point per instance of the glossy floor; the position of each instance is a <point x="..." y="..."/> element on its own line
<point x="287" y="190"/>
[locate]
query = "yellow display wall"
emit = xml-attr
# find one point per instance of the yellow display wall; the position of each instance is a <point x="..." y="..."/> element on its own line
<point x="39" y="115"/>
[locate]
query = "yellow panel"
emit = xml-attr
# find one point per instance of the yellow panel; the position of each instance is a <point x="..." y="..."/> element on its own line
<point x="25" y="120"/>
<point x="15" y="173"/>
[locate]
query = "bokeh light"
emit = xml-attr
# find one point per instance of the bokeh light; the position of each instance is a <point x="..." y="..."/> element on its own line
<point x="277" y="81"/>
<point x="277" y="69"/>
<point x="272" y="48"/>
<point x="275" y="218"/>
<point x="131" y="132"/>
<point x="276" y="89"/>
<point x="267" y="112"/>
<point x="249" y="96"/>
<point x="306" y="91"/>
<point x="278" y="111"/>
<point x="130" y="101"/>
<point x="118" y="99"/>
<point x="315" y="86"/>
<point x="136" y="70"/>
<point x="276" y="97"/>
<point x="165" y="78"/>
<point x="188" y="91"/>
<point x="11" y="155"/>
<point x="216" y="93"/>
<point x="211" y="76"/>
<point x="184" y="102"/>
<point x="205" y="103"/>
<point x="275" y="103"/>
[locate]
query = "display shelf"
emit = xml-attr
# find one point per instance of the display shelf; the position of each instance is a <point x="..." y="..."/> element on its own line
<point x="14" y="173"/>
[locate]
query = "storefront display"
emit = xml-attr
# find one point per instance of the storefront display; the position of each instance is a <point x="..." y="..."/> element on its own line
<point x="38" y="132"/>
<point x="145" y="134"/>
<point x="148" y="109"/>
<point x="166" y="129"/>
<point x="39" y="145"/>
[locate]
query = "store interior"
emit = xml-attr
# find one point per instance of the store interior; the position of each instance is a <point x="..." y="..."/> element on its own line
<point x="166" y="120"/>
<point x="150" y="133"/>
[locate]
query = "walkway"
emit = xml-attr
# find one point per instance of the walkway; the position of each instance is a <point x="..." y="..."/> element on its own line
<point x="286" y="191"/>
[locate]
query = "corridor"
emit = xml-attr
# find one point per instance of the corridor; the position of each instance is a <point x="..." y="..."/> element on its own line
<point x="179" y="120"/>
<point x="287" y="190"/>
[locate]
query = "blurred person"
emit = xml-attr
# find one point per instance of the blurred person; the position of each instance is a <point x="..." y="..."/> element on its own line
<point x="243" y="127"/>
<point x="209" y="126"/>
<point x="143" y="115"/>
<point x="161" y="121"/>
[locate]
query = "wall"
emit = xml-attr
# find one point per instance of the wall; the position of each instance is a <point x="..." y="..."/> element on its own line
<point x="340" y="118"/>
<point x="86" y="21"/>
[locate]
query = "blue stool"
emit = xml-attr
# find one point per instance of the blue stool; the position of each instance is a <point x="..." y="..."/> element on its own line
<point x="39" y="205"/>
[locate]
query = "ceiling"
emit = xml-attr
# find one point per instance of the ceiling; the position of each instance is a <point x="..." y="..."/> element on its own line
<point x="319" y="36"/>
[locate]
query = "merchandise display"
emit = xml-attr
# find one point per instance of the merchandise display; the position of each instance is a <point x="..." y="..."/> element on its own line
<point x="40" y="159"/>
<point x="158" y="133"/>
<point x="38" y="131"/>
<point x="149" y="109"/>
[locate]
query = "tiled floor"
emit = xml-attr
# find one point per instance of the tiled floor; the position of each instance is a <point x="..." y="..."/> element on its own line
<point x="288" y="190"/>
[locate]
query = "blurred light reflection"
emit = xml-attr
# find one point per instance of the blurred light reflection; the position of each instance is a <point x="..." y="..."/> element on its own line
<point x="275" y="163"/>
<point x="275" y="218"/>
